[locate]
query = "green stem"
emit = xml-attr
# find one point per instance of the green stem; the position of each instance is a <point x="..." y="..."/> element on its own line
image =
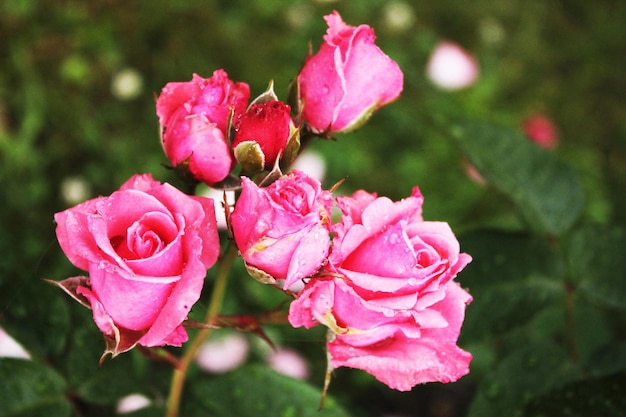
<point x="217" y="296"/>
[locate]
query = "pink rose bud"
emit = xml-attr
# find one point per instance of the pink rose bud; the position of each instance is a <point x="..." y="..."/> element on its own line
<point x="147" y="248"/>
<point x="541" y="130"/>
<point x="262" y="134"/>
<point x="347" y="80"/>
<point x="194" y="118"/>
<point x="451" y="67"/>
<point x="282" y="230"/>
<point x="389" y="298"/>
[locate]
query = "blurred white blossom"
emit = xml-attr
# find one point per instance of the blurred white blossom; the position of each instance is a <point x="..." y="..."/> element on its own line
<point x="288" y="362"/>
<point x="132" y="402"/>
<point x="312" y="164"/>
<point x="223" y="353"/>
<point x="126" y="84"/>
<point x="398" y="16"/>
<point x="218" y="200"/>
<point x="10" y="348"/>
<point x="451" y="67"/>
<point x="74" y="190"/>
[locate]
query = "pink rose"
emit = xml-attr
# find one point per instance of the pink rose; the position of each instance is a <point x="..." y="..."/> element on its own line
<point x="194" y="119"/>
<point x="147" y="248"/>
<point x="347" y="80"/>
<point x="541" y="130"/>
<point x="267" y="125"/>
<point x="389" y="298"/>
<point x="282" y="231"/>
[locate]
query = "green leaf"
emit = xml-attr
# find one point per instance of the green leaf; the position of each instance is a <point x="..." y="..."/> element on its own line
<point x="28" y="388"/>
<point x="38" y="316"/>
<point x="545" y="189"/>
<point x="512" y="278"/>
<point x="591" y="397"/>
<point x="116" y="378"/>
<point x="597" y="261"/>
<point x="524" y="374"/>
<point x="256" y="391"/>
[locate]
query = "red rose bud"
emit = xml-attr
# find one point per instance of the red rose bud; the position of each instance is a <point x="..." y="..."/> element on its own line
<point x="541" y="130"/>
<point x="347" y="80"/>
<point x="194" y="118"/>
<point x="262" y="134"/>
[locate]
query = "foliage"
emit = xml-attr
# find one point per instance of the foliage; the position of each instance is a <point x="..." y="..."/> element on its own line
<point x="546" y="231"/>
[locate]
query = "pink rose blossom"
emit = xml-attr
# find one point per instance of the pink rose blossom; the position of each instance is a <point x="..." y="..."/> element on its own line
<point x="194" y="119"/>
<point x="147" y="248"/>
<point x="451" y="67"/>
<point x="348" y="79"/>
<point x="389" y="298"/>
<point x="283" y="230"/>
<point x="267" y="124"/>
<point x="541" y="130"/>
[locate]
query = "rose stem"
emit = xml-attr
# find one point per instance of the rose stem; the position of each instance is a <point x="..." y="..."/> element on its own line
<point x="217" y="296"/>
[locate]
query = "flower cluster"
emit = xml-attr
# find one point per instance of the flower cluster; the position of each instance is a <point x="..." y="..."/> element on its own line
<point x="380" y="277"/>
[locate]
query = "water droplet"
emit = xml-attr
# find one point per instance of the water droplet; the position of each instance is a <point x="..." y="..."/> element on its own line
<point x="393" y="239"/>
<point x="412" y="281"/>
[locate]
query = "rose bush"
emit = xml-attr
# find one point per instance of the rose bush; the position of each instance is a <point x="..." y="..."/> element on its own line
<point x="147" y="248"/>
<point x="282" y="230"/>
<point x="194" y="118"/>
<point x="388" y="296"/>
<point x="347" y="79"/>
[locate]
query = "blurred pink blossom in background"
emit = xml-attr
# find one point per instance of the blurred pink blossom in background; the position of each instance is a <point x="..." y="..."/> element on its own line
<point x="451" y="67"/>
<point x="541" y="130"/>
<point x="223" y="354"/>
<point x="289" y="362"/>
<point x="131" y="403"/>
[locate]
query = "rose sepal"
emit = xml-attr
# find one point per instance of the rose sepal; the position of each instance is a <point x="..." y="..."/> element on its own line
<point x="250" y="155"/>
<point x="266" y="96"/>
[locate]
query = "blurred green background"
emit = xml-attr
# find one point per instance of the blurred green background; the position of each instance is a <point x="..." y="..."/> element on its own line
<point x="65" y="127"/>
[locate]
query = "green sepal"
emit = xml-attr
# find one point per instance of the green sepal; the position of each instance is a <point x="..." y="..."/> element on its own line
<point x="250" y="155"/>
<point x="267" y="96"/>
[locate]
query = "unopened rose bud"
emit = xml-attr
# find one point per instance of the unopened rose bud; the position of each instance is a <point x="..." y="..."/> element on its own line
<point x="194" y="118"/>
<point x="541" y="130"/>
<point x="451" y="67"/>
<point x="347" y="79"/>
<point x="262" y="135"/>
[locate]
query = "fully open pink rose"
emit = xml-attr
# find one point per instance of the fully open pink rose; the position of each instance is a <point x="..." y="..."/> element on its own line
<point x="194" y="119"/>
<point x="389" y="298"/>
<point x="348" y="79"/>
<point x="147" y="248"/>
<point x="282" y="231"/>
